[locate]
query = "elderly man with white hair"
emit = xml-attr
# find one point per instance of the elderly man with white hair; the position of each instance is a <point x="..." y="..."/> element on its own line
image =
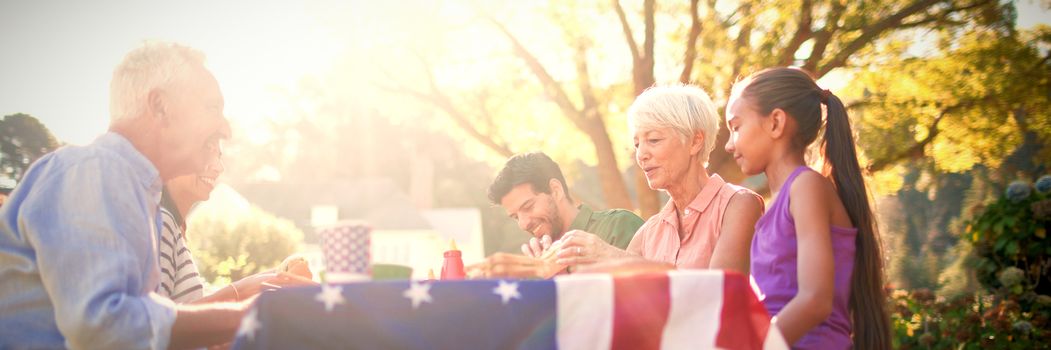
<point x="708" y="223"/>
<point x="78" y="236"/>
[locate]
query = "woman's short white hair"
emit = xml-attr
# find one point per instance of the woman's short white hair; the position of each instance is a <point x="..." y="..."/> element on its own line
<point x="685" y="108"/>
<point x="150" y="66"/>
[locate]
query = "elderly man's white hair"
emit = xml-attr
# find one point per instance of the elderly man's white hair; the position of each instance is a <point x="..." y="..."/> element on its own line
<point x="150" y="66"/>
<point x="685" y="108"/>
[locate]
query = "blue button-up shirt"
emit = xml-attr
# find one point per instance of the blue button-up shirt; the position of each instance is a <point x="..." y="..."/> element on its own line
<point x="78" y="252"/>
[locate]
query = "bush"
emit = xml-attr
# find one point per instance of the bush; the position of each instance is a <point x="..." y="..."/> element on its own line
<point x="1010" y="257"/>
<point x="231" y="239"/>
<point x="1010" y="242"/>
<point x="978" y="321"/>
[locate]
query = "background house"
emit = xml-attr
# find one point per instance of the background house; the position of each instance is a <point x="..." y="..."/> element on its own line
<point x="402" y="233"/>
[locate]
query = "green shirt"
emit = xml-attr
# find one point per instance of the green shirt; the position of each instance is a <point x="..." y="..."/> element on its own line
<point x="615" y="226"/>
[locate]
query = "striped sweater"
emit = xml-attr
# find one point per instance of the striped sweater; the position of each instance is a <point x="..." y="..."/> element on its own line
<point x="180" y="279"/>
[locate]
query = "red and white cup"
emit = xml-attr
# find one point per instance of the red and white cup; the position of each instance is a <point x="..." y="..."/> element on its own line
<point x="345" y="246"/>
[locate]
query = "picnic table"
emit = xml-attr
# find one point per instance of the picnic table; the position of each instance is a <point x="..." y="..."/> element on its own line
<point x="672" y="310"/>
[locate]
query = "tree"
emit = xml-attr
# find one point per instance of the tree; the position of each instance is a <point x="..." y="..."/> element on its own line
<point x="717" y="45"/>
<point x="975" y="104"/>
<point x="23" y="139"/>
<point x="948" y="131"/>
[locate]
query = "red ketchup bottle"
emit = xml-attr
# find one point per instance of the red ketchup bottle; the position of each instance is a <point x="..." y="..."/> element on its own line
<point x="452" y="268"/>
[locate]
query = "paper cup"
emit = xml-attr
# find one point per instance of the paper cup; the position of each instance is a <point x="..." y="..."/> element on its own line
<point x="345" y="246"/>
<point x="391" y="272"/>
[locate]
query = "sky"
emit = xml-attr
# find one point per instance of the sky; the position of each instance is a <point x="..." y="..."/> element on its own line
<point x="57" y="57"/>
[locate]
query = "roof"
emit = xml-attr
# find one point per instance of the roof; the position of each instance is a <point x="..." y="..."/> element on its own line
<point x="378" y="201"/>
<point x="460" y="224"/>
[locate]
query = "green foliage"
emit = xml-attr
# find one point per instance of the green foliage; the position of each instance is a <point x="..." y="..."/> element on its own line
<point x="921" y="224"/>
<point x="1008" y="249"/>
<point x="1010" y="241"/>
<point x="230" y="242"/>
<point x="23" y="139"/>
<point x="974" y="108"/>
<point x="972" y="104"/>
<point x="957" y="278"/>
<point x="972" y="321"/>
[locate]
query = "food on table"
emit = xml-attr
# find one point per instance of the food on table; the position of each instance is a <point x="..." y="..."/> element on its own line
<point x="296" y="265"/>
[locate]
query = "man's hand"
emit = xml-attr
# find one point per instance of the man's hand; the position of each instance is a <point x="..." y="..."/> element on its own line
<point x="513" y="266"/>
<point x="536" y="247"/>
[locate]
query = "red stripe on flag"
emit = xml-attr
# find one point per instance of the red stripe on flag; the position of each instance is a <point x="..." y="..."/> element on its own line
<point x="640" y="311"/>
<point x="744" y="314"/>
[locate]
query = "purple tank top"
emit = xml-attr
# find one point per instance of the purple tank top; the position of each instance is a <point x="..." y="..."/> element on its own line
<point x="773" y="268"/>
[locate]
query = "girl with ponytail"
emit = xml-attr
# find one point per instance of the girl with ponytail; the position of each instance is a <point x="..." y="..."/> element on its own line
<point x="816" y="256"/>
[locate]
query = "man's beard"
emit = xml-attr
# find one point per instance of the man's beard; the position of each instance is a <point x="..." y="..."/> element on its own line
<point x="557" y="228"/>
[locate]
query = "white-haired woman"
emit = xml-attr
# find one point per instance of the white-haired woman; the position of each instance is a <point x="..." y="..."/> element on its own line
<point x="180" y="279"/>
<point x="708" y="223"/>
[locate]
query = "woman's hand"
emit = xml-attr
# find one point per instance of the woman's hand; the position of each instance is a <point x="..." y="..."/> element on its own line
<point x="582" y="248"/>
<point x="253" y="285"/>
<point x="627" y="266"/>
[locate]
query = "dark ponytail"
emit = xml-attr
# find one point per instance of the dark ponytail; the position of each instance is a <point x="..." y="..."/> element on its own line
<point x="867" y="299"/>
<point x="795" y="92"/>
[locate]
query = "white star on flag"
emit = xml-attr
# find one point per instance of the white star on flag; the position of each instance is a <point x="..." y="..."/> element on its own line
<point x="419" y="293"/>
<point x="507" y="291"/>
<point x="249" y="324"/>
<point x="330" y="295"/>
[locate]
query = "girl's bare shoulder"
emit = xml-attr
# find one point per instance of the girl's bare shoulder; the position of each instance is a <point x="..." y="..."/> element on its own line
<point x="810" y="183"/>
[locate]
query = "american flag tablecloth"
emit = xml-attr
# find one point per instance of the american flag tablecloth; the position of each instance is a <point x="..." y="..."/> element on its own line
<point x="674" y="310"/>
